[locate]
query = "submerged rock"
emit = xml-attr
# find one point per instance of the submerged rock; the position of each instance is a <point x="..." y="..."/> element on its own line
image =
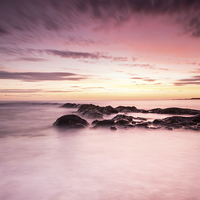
<point x="71" y="121"/>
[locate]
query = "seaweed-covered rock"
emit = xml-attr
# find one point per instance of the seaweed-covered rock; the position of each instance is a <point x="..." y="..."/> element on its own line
<point x="71" y="121"/>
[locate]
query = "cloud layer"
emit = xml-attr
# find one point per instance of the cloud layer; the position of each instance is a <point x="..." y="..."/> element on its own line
<point x="41" y="76"/>
<point x="54" y="15"/>
<point x="194" y="80"/>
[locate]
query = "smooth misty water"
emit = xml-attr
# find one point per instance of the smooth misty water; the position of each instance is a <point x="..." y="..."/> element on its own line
<point x="38" y="161"/>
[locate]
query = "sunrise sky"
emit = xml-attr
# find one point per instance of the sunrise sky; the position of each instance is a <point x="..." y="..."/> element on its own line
<point x="99" y="49"/>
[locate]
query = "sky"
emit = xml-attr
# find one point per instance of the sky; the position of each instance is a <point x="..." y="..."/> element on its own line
<point x="99" y="49"/>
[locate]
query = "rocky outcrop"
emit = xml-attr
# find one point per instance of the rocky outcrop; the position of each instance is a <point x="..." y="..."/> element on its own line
<point x="121" y="120"/>
<point x="71" y="121"/>
<point x="93" y="111"/>
<point x="105" y="123"/>
<point x="126" y="109"/>
<point x="177" y="122"/>
<point x="92" y="114"/>
<point x="175" y="111"/>
<point x="70" y="105"/>
<point x="122" y="117"/>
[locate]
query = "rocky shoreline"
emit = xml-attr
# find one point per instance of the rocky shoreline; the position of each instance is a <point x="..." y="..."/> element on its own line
<point x="121" y="120"/>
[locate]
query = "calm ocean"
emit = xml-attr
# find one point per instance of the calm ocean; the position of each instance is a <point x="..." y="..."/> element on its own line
<point x="38" y="161"/>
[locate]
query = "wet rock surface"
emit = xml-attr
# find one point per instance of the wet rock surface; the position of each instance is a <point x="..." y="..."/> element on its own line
<point x="93" y="111"/>
<point x="71" y="121"/>
<point x="124" y="121"/>
<point x="177" y="122"/>
<point x="70" y="105"/>
<point x="126" y="109"/>
<point x="175" y="111"/>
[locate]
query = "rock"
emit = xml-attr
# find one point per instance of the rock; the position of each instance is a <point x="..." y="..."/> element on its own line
<point x="126" y="109"/>
<point x="105" y="123"/>
<point x="92" y="114"/>
<point x="142" y="125"/>
<point x="86" y="107"/>
<point x="122" y="117"/>
<point x="113" y="128"/>
<point x="71" y="121"/>
<point x="142" y="111"/>
<point x="96" y="111"/>
<point x="177" y="122"/>
<point x="157" y="122"/>
<point x="175" y="111"/>
<point x="107" y="110"/>
<point x="122" y="122"/>
<point x="95" y="122"/>
<point x="70" y="105"/>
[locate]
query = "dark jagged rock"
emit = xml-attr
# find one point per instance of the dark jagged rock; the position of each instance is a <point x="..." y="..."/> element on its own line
<point x="92" y="114"/>
<point x="107" y="110"/>
<point x="123" y="117"/>
<point x="96" y="111"/>
<point x="71" y="121"/>
<point x="175" y="111"/>
<point x="70" y="105"/>
<point x="105" y="123"/>
<point x="142" y="111"/>
<point x="177" y="122"/>
<point x="86" y="107"/>
<point x="126" y="109"/>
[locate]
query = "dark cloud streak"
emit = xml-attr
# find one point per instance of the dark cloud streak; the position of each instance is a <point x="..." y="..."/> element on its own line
<point x="41" y="76"/>
<point x="85" y="55"/>
<point x="194" y="80"/>
<point x="54" y="15"/>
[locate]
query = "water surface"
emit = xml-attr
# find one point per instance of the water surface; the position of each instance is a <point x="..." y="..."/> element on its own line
<point x="39" y="161"/>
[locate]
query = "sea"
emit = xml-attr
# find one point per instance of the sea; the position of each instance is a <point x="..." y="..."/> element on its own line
<point x="41" y="162"/>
